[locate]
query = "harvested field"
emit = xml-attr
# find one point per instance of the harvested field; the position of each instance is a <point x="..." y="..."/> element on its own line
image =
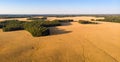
<point x="72" y="42"/>
<point x="76" y="18"/>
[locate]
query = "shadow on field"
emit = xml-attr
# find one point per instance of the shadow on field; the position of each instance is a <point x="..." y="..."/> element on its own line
<point x="56" y="31"/>
<point x="66" y="23"/>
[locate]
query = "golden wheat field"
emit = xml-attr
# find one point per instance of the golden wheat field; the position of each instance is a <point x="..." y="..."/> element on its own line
<point x="72" y="42"/>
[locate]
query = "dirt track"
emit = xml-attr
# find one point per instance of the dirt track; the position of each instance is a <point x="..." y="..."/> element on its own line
<point x="72" y="42"/>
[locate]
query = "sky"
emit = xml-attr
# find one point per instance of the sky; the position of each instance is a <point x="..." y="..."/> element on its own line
<point x="60" y="7"/>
